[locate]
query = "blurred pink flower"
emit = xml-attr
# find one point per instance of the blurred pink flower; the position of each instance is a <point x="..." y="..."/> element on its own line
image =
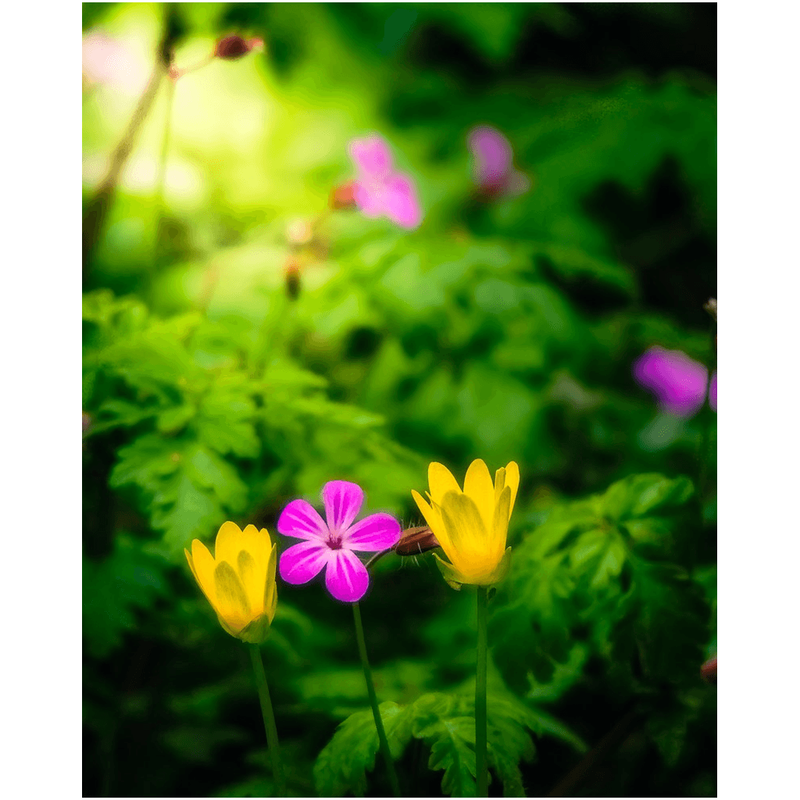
<point x="109" y="62"/>
<point x="677" y="381"/>
<point x="494" y="163"/>
<point x="379" y="190"/>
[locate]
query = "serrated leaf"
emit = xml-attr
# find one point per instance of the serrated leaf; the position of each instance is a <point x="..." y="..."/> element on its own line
<point x="666" y="620"/>
<point x="599" y="556"/>
<point x="174" y="419"/>
<point x="225" y="422"/>
<point x="342" y="765"/>
<point x="186" y="489"/>
<point x="646" y="495"/>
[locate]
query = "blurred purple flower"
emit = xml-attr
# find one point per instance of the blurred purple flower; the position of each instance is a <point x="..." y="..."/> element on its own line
<point x="379" y="190"/>
<point x="331" y="544"/>
<point x="494" y="163"/>
<point x="677" y="381"/>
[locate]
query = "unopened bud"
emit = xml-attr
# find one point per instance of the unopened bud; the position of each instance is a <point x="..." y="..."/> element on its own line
<point x="292" y="274"/>
<point x="711" y="307"/>
<point x="232" y="47"/>
<point x="415" y="541"/>
<point x="343" y="198"/>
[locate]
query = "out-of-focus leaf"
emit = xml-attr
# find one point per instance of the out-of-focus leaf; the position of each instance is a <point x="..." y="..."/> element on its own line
<point x="114" y="589"/>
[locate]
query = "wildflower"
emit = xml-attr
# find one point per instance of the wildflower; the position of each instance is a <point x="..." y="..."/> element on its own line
<point x="471" y="526"/>
<point x="494" y="167"/>
<point x="331" y="544"/>
<point x="379" y="190"/>
<point x="239" y="580"/>
<point x="677" y="381"/>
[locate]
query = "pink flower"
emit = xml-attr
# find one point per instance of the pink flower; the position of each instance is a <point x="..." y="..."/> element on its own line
<point x="110" y="62"/>
<point x="494" y="163"/>
<point x="379" y="190"/>
<point x="331" y="544"/>
<point x="677" y="381"/>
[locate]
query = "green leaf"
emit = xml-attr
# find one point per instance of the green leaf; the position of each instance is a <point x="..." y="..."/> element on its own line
<point x="447" y="725"/>
<point x="342" y="765"/>
<point x="186" y="489"/>
<point x="644" y="496"/>
<point x="225" y="420"/>
<point x="665" y="621"/>
<point x="113" y="589"/>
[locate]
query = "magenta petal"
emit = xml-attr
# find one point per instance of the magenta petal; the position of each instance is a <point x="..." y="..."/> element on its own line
<point x="304" y="561"/>
<point x="369" y="198"/>
<point x="343" y="501"/>
<point x="347" y="578"/>
<point x="374" y="533"/>
<point x="676" y="380"/>
<point x="371" y="155"/>
<point x="301" y="520"/>
<point x="400" y="201"/>
<point x="493" y="155"/>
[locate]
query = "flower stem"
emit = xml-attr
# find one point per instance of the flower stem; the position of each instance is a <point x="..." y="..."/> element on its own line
<point x="160" y="207"/>
<point x="373" y="700"/>
<point x="480" y="697"/>
<point x="97" y="209"/>
<point x="269" y="718"/>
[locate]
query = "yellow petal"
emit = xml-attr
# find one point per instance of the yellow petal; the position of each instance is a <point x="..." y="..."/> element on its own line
<point x="499" y="528"/>
<point x="512" y="481"/>
<point x="252" y="581"/>
<point x="203" y="565"/>
<point x="232" y="603"/>
<point x="441" y="481"/>
<point x="230" y="540"/>
<point x="258" y="544"/>
<point x="270" y="589"/>
<point x="469" y="541"/>
<point x="478" y="486"/>
<point x="502" y="568"/>
<point x="433" y="518"/>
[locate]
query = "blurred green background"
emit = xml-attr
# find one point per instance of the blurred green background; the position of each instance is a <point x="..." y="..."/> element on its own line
<point x="243" y="344"/>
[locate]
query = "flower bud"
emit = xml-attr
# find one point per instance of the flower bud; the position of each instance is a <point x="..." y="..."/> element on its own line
<point x="232" y="47"/>
<point x="416" y="541"/>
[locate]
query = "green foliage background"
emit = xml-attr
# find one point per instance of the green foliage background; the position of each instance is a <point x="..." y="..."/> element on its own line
<point x="501" y="330"/>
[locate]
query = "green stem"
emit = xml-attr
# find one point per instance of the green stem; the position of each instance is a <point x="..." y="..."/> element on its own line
<point x="269" y="718"/>
<point x="480" y="697"/>
<point x="267" y="336"/>
<point x="373" y="700"/>
<point x="161" y="177"/>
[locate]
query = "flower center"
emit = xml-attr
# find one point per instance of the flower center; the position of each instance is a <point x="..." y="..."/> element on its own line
<point x="335" y="541"/>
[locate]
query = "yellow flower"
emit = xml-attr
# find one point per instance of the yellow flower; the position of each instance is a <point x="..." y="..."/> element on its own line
<point x="472" y="525"/>
<point x="240" y="581"/>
